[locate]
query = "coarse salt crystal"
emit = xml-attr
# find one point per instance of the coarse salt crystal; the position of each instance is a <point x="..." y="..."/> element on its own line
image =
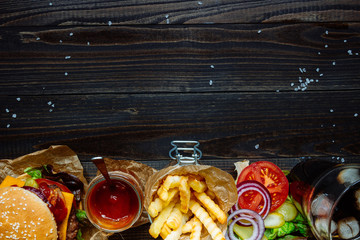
<point x="331" y="110"/>
<point x="333" y="63"/>
<point x="66" y="73"/>
<point x="8" y="125"/>
<point x="18" y="99"/>
<point x="14" y="115"/>
<point x="356" y="115"/>
<point x="326" y="32"/>
<point x="345" y="40"/>
<point x="326" y="46"/>
<point x="317" y="69"/>
<point x="71" y="34"/>
<point x="257" y="146"/>
<point x="109" y="23"/>
<point x="211" y="82"/>
<point x="350" y="52"/>
<point x="67" y="57"/>
<point x="212" y="66"/>
<point x="200" y="3"/>
<point x="7" y="110"/>
<point x="49" y="103"/>
<point x="259" y="31"/>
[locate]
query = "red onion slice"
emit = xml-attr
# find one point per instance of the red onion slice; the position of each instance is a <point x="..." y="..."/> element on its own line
<point x="253" y="218"/>
<point x="250" y="185"/>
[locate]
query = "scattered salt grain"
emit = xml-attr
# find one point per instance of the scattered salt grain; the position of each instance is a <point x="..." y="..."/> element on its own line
<point x="50" y="4"/>
<point x="211" y="82"/>
<point x="66" y="73"/>
<point x="60" y="41"/>
<point x="333" y="63"/>
<point x="356" y="115"/>
<point x="67" y="57"/>
<point x="200" y="2"/>
<point x="8" y="125"/>
<point x="18" y="99"/>
<point x="321" y="74"/>
<point x="71" y="34"/>
<point x="212" y="66"/>
<point x="345" y="40"/>
<point x="50" y="110"/>
<point x="277" y="90"/>
<point x="14" y="115"/>
<point x="326" y="46"/>
<point x="109" y="23"/>
<point x="257" y="146"/>
<point x="292" y="84"/>
<point x="319" y="53"/>
<point x="350" y="52"/>
<point x="53" y="105"/>
<point x="331" y="110"/>
<point x="259" y="31"/>
<point x="334" y="125"/>
<point x="342" y="160"/>
<point x="49" y="103"/>
<point x="317" y="69"/>
<point x="37" y="38"/>
<point x="7" y="110"/>
<point x="88" y="43"/>
<point x="326" y="32"/>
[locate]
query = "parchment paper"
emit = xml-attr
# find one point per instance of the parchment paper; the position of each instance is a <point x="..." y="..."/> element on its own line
<point x="64" y="159"/>
<point x="220" y="182"/>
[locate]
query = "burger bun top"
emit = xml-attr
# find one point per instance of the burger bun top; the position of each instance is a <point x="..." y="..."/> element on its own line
<point x="25" y="215"/>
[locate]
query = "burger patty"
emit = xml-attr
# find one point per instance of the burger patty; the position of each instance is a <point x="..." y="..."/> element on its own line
<point x="73" y="226"/>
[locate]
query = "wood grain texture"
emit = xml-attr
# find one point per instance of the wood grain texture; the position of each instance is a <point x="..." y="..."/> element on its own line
<point x="140" y="126"/>
<point x="147" y="59"/>
<point x="95" y="12"/>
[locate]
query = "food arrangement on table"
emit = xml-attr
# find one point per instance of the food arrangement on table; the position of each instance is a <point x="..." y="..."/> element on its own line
<point x="183" y="201"/>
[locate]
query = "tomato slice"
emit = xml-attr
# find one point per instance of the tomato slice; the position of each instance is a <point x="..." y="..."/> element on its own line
<point x="50" y="182"/>
<point x="272" y="178"/>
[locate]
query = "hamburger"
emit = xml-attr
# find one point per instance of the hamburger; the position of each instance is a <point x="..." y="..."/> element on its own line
<point x="40" y="204"/>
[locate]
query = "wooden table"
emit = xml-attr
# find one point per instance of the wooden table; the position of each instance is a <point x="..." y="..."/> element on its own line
<point x="276" y="80"/>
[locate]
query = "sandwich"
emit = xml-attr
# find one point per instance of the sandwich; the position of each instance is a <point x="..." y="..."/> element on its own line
<point x="41" y="204"/>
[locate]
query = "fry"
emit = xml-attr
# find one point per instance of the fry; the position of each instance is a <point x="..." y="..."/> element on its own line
<point x="197" y="185"/>
<point x="157" y="204"/>
<point x="157" y="224"/>
<point x="205" y="219"/>
<point x="171" y="181"/>
<point x="184" y="190"/>
<point x="174" y="220"/>
<point x="187" y="227"/>
<point x="210" y="193"/>
<point x="211" y="206"/>
<point x="196" y="229"/>
<point x="165" y="231"/>
<point x="155" y="207"/>
<point x="175" y="235"/>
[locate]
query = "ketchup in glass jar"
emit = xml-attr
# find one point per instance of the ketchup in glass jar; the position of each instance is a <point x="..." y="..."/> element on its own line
<point x="115" y="206"/>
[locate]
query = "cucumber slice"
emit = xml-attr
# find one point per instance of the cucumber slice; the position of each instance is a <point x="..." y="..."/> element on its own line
<point x="245" y="232"/>
<point x="288" y="210"/>
<point x="274" y="220"/>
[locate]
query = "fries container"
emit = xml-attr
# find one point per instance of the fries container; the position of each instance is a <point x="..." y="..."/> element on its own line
<point x="217" y="180"/>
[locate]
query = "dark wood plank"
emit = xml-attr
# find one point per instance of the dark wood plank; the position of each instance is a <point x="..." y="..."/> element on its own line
<point x="144" y="59"/>
<point x="95" y="12"/>
<point x="140" y="126"/>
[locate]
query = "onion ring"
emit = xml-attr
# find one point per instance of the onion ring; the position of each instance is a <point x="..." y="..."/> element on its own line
<point x="250" y="185"/>
<point x="248" y="215"/>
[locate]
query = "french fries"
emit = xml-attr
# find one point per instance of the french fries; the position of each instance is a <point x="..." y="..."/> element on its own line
<point x="180" y="198"/>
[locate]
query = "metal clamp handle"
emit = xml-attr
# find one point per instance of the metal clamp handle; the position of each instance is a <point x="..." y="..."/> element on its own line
<point x="185" y="160"/>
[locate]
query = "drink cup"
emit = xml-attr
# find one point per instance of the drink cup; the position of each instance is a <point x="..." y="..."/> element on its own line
<point x="330" y="197"/>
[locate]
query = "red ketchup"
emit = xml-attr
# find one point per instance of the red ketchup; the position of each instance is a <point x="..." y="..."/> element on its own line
<point x="113" y="206"/>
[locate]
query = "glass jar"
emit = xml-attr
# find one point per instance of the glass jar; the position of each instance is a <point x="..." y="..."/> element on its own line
<point x="114" y="207"/>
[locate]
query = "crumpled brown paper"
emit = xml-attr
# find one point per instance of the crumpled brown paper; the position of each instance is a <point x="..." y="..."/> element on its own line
<point x="64" y="159"/>
<point x="217" y="180"/>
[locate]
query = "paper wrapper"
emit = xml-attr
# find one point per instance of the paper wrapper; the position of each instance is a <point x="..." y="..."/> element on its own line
<point x="64" y="159"/>
<point x="220" y="182"/>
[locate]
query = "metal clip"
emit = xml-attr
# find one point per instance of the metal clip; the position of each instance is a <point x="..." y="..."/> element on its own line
<point x="185" y="160"/>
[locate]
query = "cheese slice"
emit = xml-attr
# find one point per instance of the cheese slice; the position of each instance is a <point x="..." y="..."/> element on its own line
<point x="69" y="197"/>
<point x="10" y="181"/>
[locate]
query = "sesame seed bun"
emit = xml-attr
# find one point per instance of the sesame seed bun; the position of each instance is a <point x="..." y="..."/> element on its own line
<point x="23" y="215"/>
